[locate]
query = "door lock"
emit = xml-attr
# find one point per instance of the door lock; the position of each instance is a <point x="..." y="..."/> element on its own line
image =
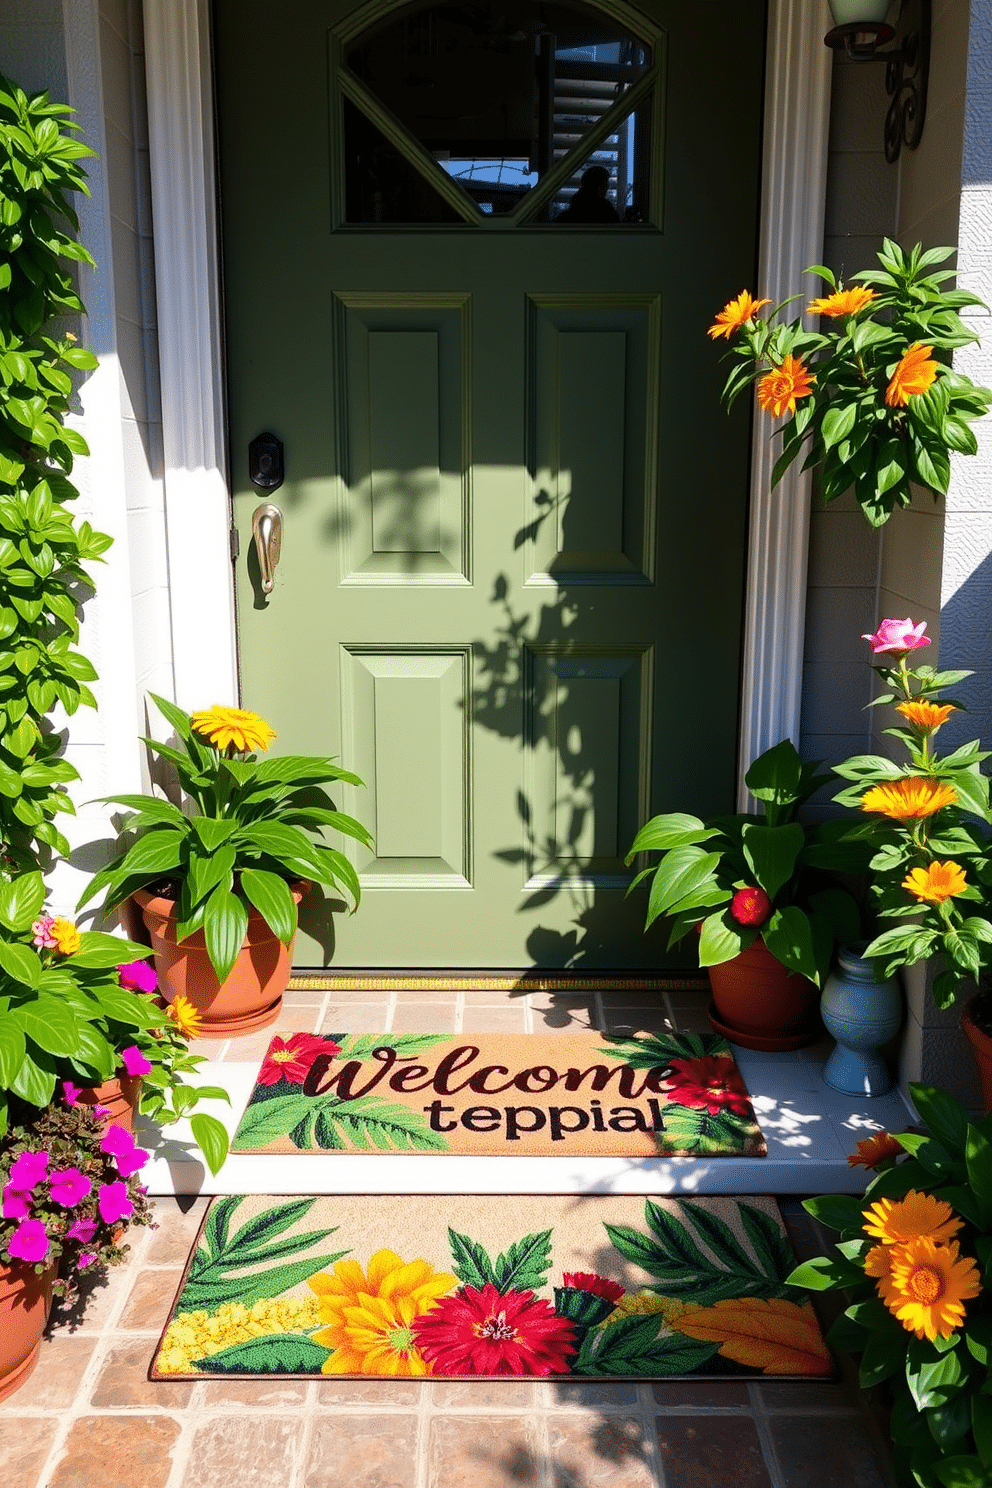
<point x="266" y="526"/>
<point x="265" y="462"/>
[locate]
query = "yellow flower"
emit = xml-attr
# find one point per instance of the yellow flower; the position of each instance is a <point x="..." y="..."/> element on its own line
<point x="234" y="729"/>
<point x="198" y="1335"/>
<point x="779" y="388"/>
<point x="735" y="314"/>
<point x="66" y="937"/>
<point x="918" y="1216"/>
<point x="929" y="1286"/>
<point x="370" y="1315"/>
<point x="878" y="1264"/>
<point x="913" y="375"/>
<point x="936" y="882"/>
<point x="926" y="715"/>
<point x="187" y="1018"/>
<point x="912" y="797"/>
<point x="874" y="1150"/>
<point x="842" y="302"/>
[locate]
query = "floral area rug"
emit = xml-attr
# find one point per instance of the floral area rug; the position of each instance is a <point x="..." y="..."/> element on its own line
<point x="559" y="1095"/>
<point x="601" y="1287"/>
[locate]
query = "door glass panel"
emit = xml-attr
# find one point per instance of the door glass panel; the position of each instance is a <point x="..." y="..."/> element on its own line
<point x="380" y="184"/>
<point x="499" y="94"/>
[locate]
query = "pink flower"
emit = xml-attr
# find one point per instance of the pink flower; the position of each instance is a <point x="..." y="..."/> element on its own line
<point x="29" y="1241"/>
<point x="71" y="1092"/>
<point x="70" y="1187"/>
<point x="898" y="636"/>
<point x="750" y="906"/>
<point x="42" y="932"/>
<point x="28" y="1170"/>
<point x="82" y="1229"/>
<point x="120" y="1145"/>
<point x="137" y="976"/>
<point x="16" y="1203"/>
<point x="132" y="1058"/>
<point x="114" y="1203"/>
<point x="85" y="1258"/>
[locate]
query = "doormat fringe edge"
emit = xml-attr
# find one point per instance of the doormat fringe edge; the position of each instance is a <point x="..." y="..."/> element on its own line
<point x="324" y="981"/>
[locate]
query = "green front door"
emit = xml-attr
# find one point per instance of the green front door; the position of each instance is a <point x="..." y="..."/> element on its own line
<point x="509" y="591"/>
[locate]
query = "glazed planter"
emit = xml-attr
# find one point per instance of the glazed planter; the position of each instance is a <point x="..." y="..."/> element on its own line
<point x="25" y="1302"/>
<point x="862" y="1015"/>
<point x="119" y="1096"/>
<point x="249" y="998"/>
<point x="760" y="1004"/>
<point x="981" y="1044"/>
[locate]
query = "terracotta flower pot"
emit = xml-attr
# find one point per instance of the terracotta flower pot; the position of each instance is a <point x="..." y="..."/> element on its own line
<point x="981" y="1045"/>
<point x="25" y="1302"/>
<point x="249" y="998"/>
<point x="120" y="1096"/>
<point x="760" y="1004"/>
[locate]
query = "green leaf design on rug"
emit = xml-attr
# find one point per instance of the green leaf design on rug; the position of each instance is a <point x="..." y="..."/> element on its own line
<point x="211" y="1279"/>
<point x="523" y="1268"/>
<point x="361" y="1045"/>
<point x="366" y="1123"/>
<point x="633" y="1347"/>
<point x="697" y="1133"/>
<point x="712" y="1267"/>
<point x="279" y="1353"/>
<point x="654" y="1050"/>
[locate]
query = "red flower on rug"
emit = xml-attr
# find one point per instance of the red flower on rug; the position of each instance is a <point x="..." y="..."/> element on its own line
<point x="712" y="1084"/>
<point x="290" y="1059"/>
<point x="589" y="1281"/>
<point x="489" y="1332"/>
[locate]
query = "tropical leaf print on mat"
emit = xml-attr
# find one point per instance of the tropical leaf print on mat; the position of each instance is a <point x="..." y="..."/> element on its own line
<point x="524" y="1266"/>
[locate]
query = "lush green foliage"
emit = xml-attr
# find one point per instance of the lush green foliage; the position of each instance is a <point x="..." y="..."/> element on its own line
<point x="705" y="863"/>
<point x="846" y="426"/>
<point x="942" y="1410"/>
<point x="953" y="843"/>
<point x="253" y="835"/>
<point x="41" y="548"/>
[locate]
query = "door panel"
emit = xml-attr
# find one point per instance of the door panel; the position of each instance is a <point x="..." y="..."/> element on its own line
<point x="510" y="587"/>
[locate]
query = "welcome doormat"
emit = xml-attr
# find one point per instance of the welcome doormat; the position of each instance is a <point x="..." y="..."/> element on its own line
<point x="601" y="1287"/>
<point x="501" y="1095"/>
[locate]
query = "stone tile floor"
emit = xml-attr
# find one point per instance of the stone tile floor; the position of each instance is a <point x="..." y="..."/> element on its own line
<point x="88" y="1416"/>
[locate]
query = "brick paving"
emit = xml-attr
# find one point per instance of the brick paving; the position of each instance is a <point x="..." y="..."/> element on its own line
<point x="88" y="1415"/>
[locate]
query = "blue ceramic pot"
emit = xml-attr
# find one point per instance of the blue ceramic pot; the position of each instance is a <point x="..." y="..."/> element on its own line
<point x="862" y="1015"/>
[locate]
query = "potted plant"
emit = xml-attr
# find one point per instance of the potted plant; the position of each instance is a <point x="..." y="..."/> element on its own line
<point x="70" y="1190"/>
<point x="762" y="891"/>
<point x="219" y="888"/>
<point x="869" y="397"/>
<point x="926" y="823"/>
<point x="914" y="1258"/>
<point x="67" y="1018"/>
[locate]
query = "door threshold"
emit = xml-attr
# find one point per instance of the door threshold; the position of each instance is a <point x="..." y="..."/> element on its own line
<point x="455" y="979"/>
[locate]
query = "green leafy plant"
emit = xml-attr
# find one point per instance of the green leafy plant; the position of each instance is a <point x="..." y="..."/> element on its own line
<point x="743" y="875"/>
<point x="42" y="549"/>
<point x="926" y="821"/>
<point x="914" y="1259"/>
<point x="256" y="829"/>
<point x="870" y="398"/>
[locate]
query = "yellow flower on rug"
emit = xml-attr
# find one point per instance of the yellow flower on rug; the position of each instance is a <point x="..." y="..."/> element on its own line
<point x="199" y="1335"/>
<point x="370" y="1313"/>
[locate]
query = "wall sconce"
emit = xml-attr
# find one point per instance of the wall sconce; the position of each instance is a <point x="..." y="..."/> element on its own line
<point x="861" y="29"/>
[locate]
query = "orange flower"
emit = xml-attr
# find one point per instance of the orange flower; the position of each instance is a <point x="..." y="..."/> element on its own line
<point x="842" y="302"/>
<point x="926" y="715"/>
<point x="65" y="936"/>
<point x="878" y="1264"/>
<point x="735" y="314"/>
<point x="936" y="882"/>
<point x="236" y="730"/>
<point x="874" y="1150"/>
<point x="913" y="375"/>
<point x="186" y="1017"/>
<point x="912" y="797"/>
<point x="918" y="1216"/>
<point x="779" y="388"/>
<point x="929" y="1286"/>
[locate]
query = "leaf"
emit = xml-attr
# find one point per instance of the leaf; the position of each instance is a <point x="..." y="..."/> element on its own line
<point x="945" y="1117"/>
<point x="47" y="1021"/>
<point x="20" y="964"/>
<point x="210" y="1135"/>
<point x="21" y="900"/>
<point x="679" y="873"/>
<point x="772" y="852"/>
<point x="524" y="1267"/>
<point x="632" y="1347"/>
<point x="470" y="1261"/>
<point x="12" y="1050"/>
<point x="265" y="1120"/>
<point x="272" y="897"/>
<point x="225" y="923"/>
<point x="776" y="1336"/>
<point x="281" y="1353"/>
<point x="962" y="1472"/>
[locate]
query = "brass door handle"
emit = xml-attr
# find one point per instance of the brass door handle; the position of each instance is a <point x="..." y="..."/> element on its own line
<point x="266" y="526"/>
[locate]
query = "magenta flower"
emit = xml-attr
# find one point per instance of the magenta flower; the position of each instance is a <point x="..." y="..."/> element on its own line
<point x="70" y="1187"/>
<point x="137" y="976"/>
<point x="29" y="1241"/>
<point x="898" y="636"/>
<point x="16" y="1203"/>
<point x="132" y="1059"/>
<point x="28" y="1170"/>
<point x="114" y="1203"/>
<point x="42" y="932"/>
<point x="120" y="1145"/>
<point x="85" y="1258"/>
<point x="82" y="1230"/>
<point x="71" y="1092"/>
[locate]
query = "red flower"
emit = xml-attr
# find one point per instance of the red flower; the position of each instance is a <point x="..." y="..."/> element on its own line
<point x="290" y="1059"/>
<point x="750" y="906"/>
<point x="588" y="1281"/>
<point x="485" y="1332"/>
<point x="712" y="1084"/>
